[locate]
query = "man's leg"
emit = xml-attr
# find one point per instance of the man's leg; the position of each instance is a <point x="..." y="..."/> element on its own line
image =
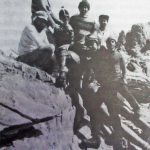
<point x="74" y="90"/>
<point x="92" y="103"/>
<point x="119" y="142"/>
<point x="44" y="59"/>
<point x="79" y="116"/>
<point x="123" y="89"/>
<point x="61" y="59"/>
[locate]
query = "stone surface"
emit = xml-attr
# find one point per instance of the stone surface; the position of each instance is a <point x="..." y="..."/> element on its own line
<point x="32" y="93"/>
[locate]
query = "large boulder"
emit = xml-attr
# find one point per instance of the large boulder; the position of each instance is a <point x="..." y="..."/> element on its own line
<point x="28" y="96"/>
<point x="137" y="37"/>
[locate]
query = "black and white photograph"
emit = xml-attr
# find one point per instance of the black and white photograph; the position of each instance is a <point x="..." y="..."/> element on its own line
<point x="74" y="75"/>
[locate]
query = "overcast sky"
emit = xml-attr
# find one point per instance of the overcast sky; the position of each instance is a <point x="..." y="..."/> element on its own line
<point x="123" y="13"/>
<point x="15" y="14"/>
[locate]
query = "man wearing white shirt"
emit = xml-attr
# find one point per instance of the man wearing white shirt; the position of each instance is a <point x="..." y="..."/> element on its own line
<point x="34" y="47"/>
<point x="102" y="31"/>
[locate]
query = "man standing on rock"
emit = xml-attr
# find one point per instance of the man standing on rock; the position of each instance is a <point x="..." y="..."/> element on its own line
<point x="110" y="72"/>
<point x="82" y="26"/>
<point x="34" y="47"/>
<point x="81" y="23"/>
<point x="102" y="31"/>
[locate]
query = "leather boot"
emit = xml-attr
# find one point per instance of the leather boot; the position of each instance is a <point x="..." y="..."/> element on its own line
<point x="61" y="80"/>
<point x="93" y="142"/>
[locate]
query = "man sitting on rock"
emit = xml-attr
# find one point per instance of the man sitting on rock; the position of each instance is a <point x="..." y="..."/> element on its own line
<point x="82" y="26"/>
<point x="64" y="38"/>
<point x="34" y="47"/>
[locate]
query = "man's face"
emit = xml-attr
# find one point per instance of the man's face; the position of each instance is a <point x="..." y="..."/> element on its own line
<point x="92" y="45"/>
<point x="111" y="45"/>
<point x="40" y="24"/>
<point x="103" y="23"/>
<point x="83" y="10"/>
<point x="65" y="19"/>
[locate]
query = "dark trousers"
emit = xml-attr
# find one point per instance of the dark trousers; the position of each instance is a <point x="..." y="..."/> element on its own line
<point x="44" y="59"/>
<point x="74" y="90"/>
<point x="108" y="95"/>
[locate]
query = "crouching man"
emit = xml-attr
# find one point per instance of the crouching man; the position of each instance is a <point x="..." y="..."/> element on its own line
<point x="34" y="48"/>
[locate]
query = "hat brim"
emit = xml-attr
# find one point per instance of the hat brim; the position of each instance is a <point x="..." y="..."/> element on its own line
<point x="39" y="17"/>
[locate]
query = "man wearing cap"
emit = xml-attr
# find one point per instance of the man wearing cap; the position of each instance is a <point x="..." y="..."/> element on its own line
<point x="102" y="31"/>
<point x="34" y="47"/>
<point x="64" y="37"/>
<point x="44" y="5"/>
<point x="90" y="87"/>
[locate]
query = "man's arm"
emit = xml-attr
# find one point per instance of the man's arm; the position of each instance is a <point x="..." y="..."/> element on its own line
<point x="71" y="34"/>
<point x="72" y="22"/>
<point x="52" y="18"/>
<point x="31" y="34"/>
<point x="57" y="21"/>
<point x="122" y="66"/>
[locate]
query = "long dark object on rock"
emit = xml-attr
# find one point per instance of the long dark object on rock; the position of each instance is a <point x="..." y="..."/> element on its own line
<point x="18" y="112"/>
<point x="12" y="131"/>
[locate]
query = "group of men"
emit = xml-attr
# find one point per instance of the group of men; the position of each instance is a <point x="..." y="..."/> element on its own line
<point x="81" y="55"/>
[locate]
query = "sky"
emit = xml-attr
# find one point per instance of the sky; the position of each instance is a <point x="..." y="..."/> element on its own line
<point x="123" y="13"/>
<point x="15" y="14"/>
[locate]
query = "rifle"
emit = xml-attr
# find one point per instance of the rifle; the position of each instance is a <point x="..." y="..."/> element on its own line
<point x="12" y="131"/>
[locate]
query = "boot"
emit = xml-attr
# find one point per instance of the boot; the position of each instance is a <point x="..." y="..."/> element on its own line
<point x="93" y="142"/>
<point x="61" y="80"/>
<point x="120" y="144"/>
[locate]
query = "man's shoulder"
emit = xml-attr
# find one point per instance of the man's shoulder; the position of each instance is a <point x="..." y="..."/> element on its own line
<point x="79" y="18"/>
<point x="102" y="53"/>
<point x="69" y="27"/>
<point x="75" y="16"/>
<point x="29" y="27"/>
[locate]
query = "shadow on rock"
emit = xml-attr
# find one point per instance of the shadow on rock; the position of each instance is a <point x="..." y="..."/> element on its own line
<point x="7" y="136"/>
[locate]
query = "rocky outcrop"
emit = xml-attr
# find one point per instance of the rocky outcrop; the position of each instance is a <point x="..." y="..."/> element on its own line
<point x="137" y="37"/>
<point x="122" y="38"/>
<point x="34" y="114"/>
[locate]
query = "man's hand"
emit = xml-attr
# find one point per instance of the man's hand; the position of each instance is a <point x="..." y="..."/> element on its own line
<point x="84" y="48"/>
<point x="57" y="27"/>
<point x="74" y="56"/>
<point x="123" y="80"/>
<point x="65" y="47"/>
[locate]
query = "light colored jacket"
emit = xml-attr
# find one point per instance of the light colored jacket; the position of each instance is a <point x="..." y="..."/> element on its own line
<point x="31" y="40"/>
